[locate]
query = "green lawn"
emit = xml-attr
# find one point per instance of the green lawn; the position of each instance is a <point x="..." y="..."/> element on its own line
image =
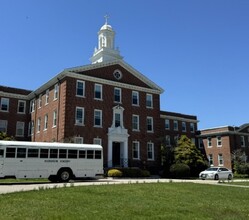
<point x="129" y="201"/>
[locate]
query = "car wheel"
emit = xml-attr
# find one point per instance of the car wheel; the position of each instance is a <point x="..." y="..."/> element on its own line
<point x="64" y="175"/>
<point x="216" y="177"/>
<point x="230" y="177"/>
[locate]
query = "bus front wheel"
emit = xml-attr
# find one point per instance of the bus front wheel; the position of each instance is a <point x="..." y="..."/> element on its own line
<point x="64" y="175"/>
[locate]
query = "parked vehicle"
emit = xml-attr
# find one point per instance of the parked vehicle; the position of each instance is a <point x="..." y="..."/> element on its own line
<point x="216" y="173"/>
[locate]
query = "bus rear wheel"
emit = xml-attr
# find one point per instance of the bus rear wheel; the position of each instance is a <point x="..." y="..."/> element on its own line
<point x="64" y="175"/>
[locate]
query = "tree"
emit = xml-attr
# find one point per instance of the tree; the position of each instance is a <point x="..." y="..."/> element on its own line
<point x="3" y="136"/>
<point x="187" y="153"/>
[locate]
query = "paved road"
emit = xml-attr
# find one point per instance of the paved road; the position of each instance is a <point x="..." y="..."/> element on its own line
<point x="9" y="188"/>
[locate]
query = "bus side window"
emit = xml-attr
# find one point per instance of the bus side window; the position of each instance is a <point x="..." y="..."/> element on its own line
<point x="21" y="152"/>
<point x="53" y="153"/>
<point x="10" y="152"/>
<point x="62" y="153"/>
<point x="82" y="154"/>
<point x="98" y="154"/>
<point x="90" y="154"/>
<point x="72" y="154"/>
<point x="43" y="153"/>
<point x="1" y="153"/>
<point x="33" y="152"/>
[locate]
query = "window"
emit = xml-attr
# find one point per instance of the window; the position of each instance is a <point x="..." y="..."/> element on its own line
<point x="44" y="153"/>
<point x="1" y="153"/>
<point x="176" y="138"/>
<point x="3" y="126"/>
<point x="200" y="142"/>
<point x="4" y="104"/>
<point x="220" y="160"/>
<point x="10" y="152"/>
<point x="46" y="122"/>
<point x="98" y="154"/>
<point x="98" y="91"/>
<point x="135" y="150"/>
<point x="149" y="124"/>
<point x="72" y="154"/>
<point x="90" y="154"/>
<point x="242" y="141"/>
<point x="135" y="98"/>
<point x="78" y="140"/>
<point x="33" y="153"/>
<point x="47" y="97"/>
<point x="31" y="128"/>
<point x="117" y="95"/>
<point x="56" y="91"/>
<point x="117" y="119"/>
<point x="40" y="101"/>
<point x="135" y="122"/>
<point x="192" y="127"/>
<point x="210" y="159"/>
<point x="21" y="107"/>
<point x="54" y="118"/>
<point x="62" y="153"/>
<point x="80" y="88"/>
<point x="209" y="142"/>
<point x="53" y="153"/>
<point x="149" y="101"/>
<point x="97" y="118"/>
<point x="79" y="116"/>
<point x="38" y="125"/>
<point x="219" y="142"/>
<point x="97" y="141"/>
<point x="184" y="129"/>
<point x="82" y="154"/>
<point x="167" y="125"/>
<point x="21" y="153"/>
<point x="175" y="125"/>
<point x="32" y="106"/>
<point x="20" y="129"/>
<point x="150" y="151"/>
<point x="167" y="140"/>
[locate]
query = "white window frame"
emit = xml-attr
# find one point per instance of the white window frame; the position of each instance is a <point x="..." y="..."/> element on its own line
<point x="56" y="91"/>
<point x="219" y="141"/>
<point x="3" y="126"/>
<point x="135" y="122"/>
<point x="149" y="123"/>
<point x="97" y="141"/>
<point x="242" y="141"/>
<point x="98" y="89"/>
<point x="31" y="127"/>
<point x="19" y="106"/>
<point x="192" y="127"/>
<point x="176" y="125"/>
<point x="54" y="118"/>
<point x="32" y="106"/>
<point x="5" y="102"/>
<point x="209" y="142"/>
<point x="20" y="128"/>
<point x="220" y="160"/>
<point x="77" y="88"/>
<point x="119" y="95"/>
<point x="78" y="140"/>
<point x="79" y="121"/>
<point x="99" y="112"/>
<point x="135" y="98"/>
<point x="45" y="122"/>
<point x="47" y="97"/>
<point x="135" y="148"/>
<point x="184" y="126"/>
<point x="211" y="159"/>
<point x="38" y="129"/>
<point x="149" y="100"/>
<point x="40" y="101"/>
<point x="167" y="140"/>
<point x="167" y="124"/>
<point x="150" y="151"/>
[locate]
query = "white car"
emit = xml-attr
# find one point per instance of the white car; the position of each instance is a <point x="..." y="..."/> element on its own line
<point x="216" y="173"/>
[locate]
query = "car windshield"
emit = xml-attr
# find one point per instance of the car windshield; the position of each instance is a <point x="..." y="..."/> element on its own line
<point x="212" y="169"/>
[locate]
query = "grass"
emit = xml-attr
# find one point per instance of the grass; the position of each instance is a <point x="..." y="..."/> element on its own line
<point x="129" y="201"/>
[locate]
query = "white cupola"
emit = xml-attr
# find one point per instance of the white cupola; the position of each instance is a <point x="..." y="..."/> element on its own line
<point x="106" y="50"/>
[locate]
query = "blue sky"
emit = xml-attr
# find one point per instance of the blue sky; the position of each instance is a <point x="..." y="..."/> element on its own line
<point x="196" y="50"/>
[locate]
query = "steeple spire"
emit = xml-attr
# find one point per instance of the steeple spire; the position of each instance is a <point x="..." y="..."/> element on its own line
<point x="106" y="45"/>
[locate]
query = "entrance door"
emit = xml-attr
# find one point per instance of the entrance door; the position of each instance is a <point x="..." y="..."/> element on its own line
<point x="116" y="154"/>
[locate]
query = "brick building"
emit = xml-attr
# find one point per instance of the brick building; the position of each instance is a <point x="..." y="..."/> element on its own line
<point x="107" y="102"/>
<point x="221" y="142"/>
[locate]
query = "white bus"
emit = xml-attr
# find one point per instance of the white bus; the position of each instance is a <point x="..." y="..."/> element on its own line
<point x="55" y="161"/>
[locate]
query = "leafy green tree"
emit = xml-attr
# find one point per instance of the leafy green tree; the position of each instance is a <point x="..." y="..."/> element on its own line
<point x="3" y="136"/>
<point x="187" y="153"/>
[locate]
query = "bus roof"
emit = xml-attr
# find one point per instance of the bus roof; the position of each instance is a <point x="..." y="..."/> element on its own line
<point x="48" y="144"/>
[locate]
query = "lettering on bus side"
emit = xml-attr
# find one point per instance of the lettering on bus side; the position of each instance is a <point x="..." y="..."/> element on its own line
<point x="64" y="161"/>
<point x="51" y="161"/>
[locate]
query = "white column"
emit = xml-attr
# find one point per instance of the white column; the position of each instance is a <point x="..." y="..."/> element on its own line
<point x="109" y="153"/>
<point x="126" y="153"/>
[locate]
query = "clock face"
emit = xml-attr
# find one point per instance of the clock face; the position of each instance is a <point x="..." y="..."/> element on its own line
<point x="117" y="74"/>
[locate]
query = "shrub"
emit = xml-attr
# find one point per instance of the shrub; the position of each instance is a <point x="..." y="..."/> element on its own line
<point x="242" y="168"/>
<point x="114" y="173"/>
<point x="179" y="170"/>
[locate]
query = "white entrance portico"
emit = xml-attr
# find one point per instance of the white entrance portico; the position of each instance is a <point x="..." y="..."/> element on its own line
<point x="117" y="140"/>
